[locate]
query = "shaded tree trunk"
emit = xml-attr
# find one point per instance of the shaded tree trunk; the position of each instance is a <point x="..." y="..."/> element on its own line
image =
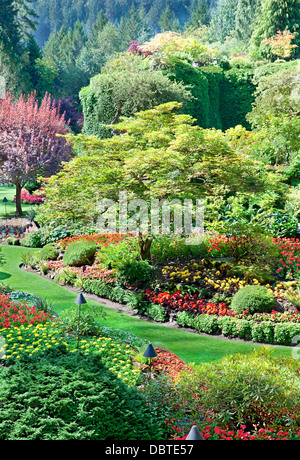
<point x="18" y="200"/>
<point x="144" y="245"/>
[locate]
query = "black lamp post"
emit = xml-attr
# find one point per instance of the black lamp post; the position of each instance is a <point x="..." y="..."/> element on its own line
<point x="5" y="201"/>
<point x="194" y="434"/>
<point x="150" y="353"/>
<point x="79" y="301"/>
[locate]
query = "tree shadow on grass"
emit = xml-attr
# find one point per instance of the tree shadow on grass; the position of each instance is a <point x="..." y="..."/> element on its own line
<point x="4" y="276"/>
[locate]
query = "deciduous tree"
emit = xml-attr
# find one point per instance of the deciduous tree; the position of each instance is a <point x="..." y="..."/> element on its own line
<point x="29" y="145"/>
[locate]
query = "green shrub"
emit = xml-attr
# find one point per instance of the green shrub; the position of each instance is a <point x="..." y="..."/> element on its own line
<point x="254" y="299"/>
<point x="228" y="326"/>
<point x="138" y="271"/>
<point x="137" y="301"/>
<point x="80" y="253"/>
<point x="207" y="324"/>
<point x="244" y="328"/>
<point x="105" y="290"/>
<point x="113" y="255"/>
<point x="67" y="396"/>
<point x="13" y="241"/>
<point x="285" y="332"/>
<point x="49" y="252"/>
<point x="33" y="240"/>
<point x="263" y="332"/>
<point x="256" y="389"/>
<point x="156" y="312"/>
<point x="185" y="319"/>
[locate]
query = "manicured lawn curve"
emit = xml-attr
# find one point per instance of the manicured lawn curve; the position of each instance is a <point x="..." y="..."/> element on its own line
<point x="189" y="346"/>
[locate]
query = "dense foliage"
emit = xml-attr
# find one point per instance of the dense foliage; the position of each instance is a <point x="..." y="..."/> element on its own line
<point x="70" y="396"/>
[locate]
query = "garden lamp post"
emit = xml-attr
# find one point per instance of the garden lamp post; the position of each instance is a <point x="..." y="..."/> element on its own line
<point x="5" y="201"/>
<point x="150" y="353"/>
<point x="79" y="301"/>
<point x="194" y="434"/>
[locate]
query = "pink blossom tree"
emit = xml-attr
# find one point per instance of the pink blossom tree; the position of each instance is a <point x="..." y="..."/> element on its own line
<point x="29" y="145"/>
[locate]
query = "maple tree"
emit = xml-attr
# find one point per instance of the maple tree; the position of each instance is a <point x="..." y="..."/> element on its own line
<point x="29" y="145"/>
<point x="157" y="154"/>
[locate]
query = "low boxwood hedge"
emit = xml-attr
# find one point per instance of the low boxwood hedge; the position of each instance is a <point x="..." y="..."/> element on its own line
<point x="233" y="327"/>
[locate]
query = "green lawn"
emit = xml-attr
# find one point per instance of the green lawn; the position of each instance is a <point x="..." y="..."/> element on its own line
<point x="9" y="193"/>
<point x="189" y="346"/>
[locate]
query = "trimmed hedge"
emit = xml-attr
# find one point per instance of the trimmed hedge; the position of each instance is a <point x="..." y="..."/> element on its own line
<point x="232" y="327"/>
<point x="80" y="253"/>
<point x="114" y="293"/>
<point x="49" y="252"/>
<point x="254" y="299"/>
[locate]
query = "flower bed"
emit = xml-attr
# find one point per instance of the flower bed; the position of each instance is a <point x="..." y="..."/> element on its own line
<point x="28" y="331"/>
<point x="16" y="314"/>
<point x="27" y="198"/>
<point x="215" y="433"/>
<point x="99" y="239"/>
<point x="168" y="363"/>
<point x="178" y="302"/>
<point x="94" y="271"/>
<point x="14" y="227"/>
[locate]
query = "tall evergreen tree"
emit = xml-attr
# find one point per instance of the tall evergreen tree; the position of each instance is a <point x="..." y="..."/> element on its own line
<point x="223" y="20"/>
<point x="199" y="14"/>
<point x="245" y="16"/>
<point x="9" y="23"/>
<point x="168" y="21"/>
<point x="276" y="15"/>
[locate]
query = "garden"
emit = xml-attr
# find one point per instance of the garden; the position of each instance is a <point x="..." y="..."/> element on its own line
<point x="150" y="222"/>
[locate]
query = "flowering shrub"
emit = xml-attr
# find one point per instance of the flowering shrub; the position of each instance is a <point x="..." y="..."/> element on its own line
<point x="290" y="257"/>
<point x="14" y="313"/>
<point x="94" y="271"/>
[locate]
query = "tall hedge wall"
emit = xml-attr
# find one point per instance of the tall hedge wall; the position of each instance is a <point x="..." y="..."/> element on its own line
<point x="237" y="96"/>
<point x="222" y="98"/>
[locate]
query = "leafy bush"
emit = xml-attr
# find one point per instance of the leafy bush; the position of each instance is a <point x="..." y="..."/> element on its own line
<point x="207" y="324"/>
<point x="49" y="252"/>
<point x="285" y="332"/>
<point x="87" y="325"/>
<point x="156" y="312"/>
<point x="13" y="241"/>
<point x="185" y="319"/>
<point x="138" y="271"/>
<point x="113" y="255"/>
<point x="105" y="290"/>
<point x="254" y="299"/>
<point x="67" y="396"/>
<point x="237" y="390"/>
<point x="137" y="301"/>
<point x="33" y="240"/>
<point x="80" y="253"/>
